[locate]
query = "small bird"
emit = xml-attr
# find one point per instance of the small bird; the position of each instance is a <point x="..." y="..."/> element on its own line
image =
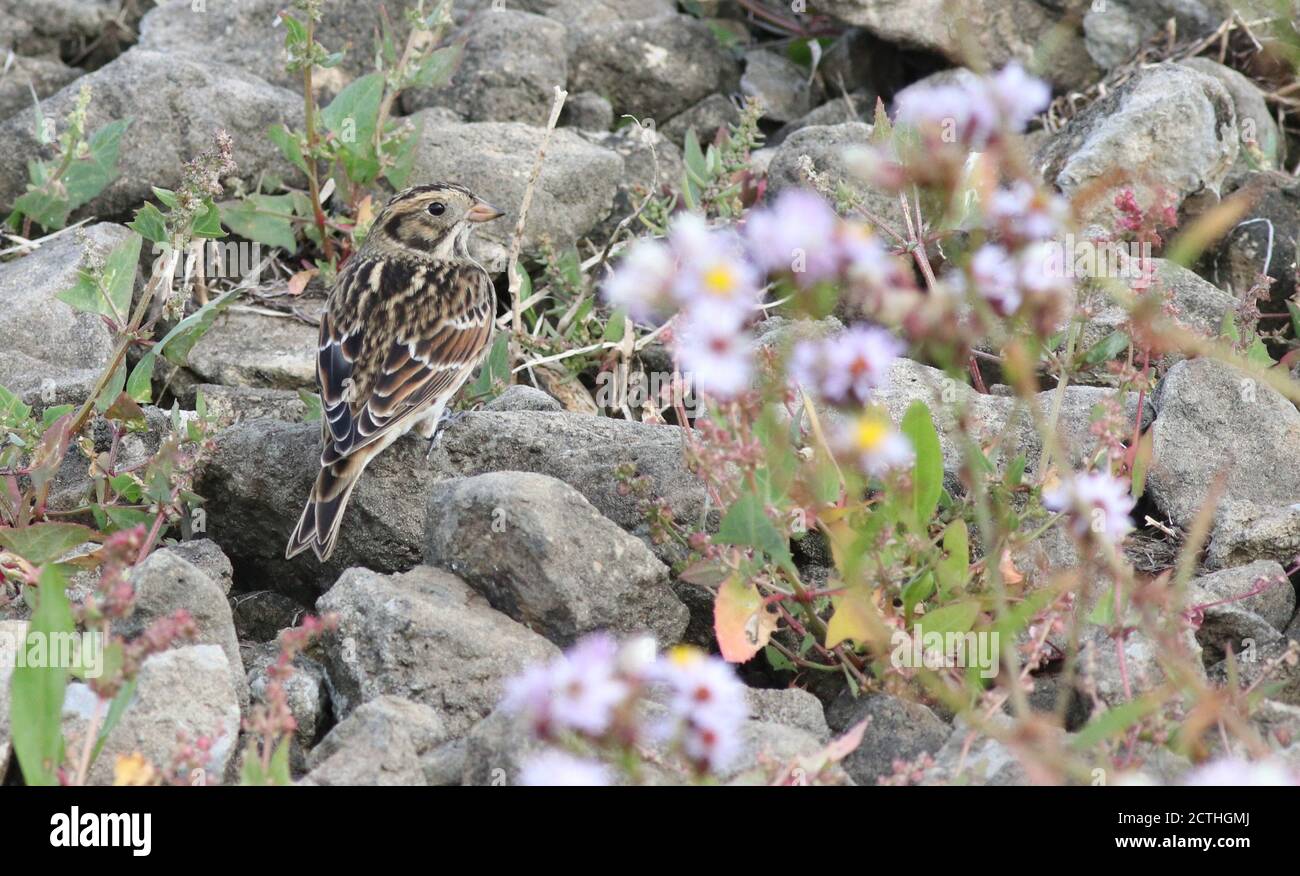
<point x="408" y="320"/>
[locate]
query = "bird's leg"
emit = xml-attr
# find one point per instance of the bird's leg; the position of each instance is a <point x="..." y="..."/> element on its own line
<point x="432" y="429"/>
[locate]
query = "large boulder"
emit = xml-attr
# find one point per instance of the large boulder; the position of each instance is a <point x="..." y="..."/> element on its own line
<point x="158" y="92"/>
<point x="545" y="556"/>
<point x="1168" y="131"/>
<point x="426" y="636"/>
<point x="495" y="159"/>
<point x="383" y="742"/>
<point x="1212" y="419"/>
<point x="651" y="68"/>
<point x="50" y="353"/>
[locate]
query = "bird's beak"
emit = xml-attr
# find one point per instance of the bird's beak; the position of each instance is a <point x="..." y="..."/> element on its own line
<point x="483" y="212"/>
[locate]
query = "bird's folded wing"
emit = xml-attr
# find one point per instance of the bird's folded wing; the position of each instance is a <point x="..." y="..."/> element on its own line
<point x="423" y="362"/>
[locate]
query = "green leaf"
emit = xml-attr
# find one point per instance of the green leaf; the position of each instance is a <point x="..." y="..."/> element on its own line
<point x="352" y="115"/>
<point x="1107" y="348"/>
<point x="954" y="569"/>
<point x="745" y="524"/>
<point x="87" y="177"/>
<point x="404" y="157"/>
<point x="958" y="617"/>
<point x="37" y="692"/>
<point x="252" y="219"/>
<point x="150" y="224"/>
<point x="288" y="144"/>
<point x="42" y="543"/>
<point x="927" y="475"/>
<point x="1113" y="722"/>
<point x="697" y="166"/>
<point x="115" y="712"/>
<point x="437" y="69"/>
<point x="109" y="294"/>
<point x="313" y="403"/>
<point x="208" y="223"/>
<point x="1257" y="354"/>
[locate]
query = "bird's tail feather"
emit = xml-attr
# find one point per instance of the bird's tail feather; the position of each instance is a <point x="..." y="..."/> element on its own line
<point x="318" y="527"/>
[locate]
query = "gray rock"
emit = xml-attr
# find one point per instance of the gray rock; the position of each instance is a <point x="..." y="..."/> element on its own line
<point x="1114" y="31"/>
<point x="245" y="34"/>
<point x="1275" y="604"/>
<point x="859" y="61"/>
<point x="158" y="91"/>
<point x="381" y="743"/>
<point x="49" y="353"/>
<point x="650" y="162"/>
<point x="1169" y="130"/>
<point x="587" y="111"/>
<point x="899" y="731"/>
<point x="1196" y="304"/>
<point x="1144" y="658"/>
<point x="781" y="84"/>
<point x="494" y="159"/>
<point x="599" y="11"/>
<point x="1210" y="418"/>
<point x="228" y="405"/>
<point x="73" y="27"/>
<point x="706" y="117"/>
<point x="445" y="765"/>
<point x="1244" y="252"/>
<point x="970" y="758"/>
<point x="1255" y="124"/>
<point x="42" y="75"/>
<point x="584" y="452"/>
<point x="259" y="475"/>
<point x="542" y="554"/>
<point x="499" y="746"/>
<point x="306" y="693"/>
<point x="185" y="691"/>
<point x="249" y="349"/>
<point x="826" y="146"/>
<point x="424" y="635"/>
<point x="166" y="583"/>
<point x="1244" y="532"/>
<point x="859" y="106"/>
<point x="205" y="555"/>
<point x="651" y="68"/>
<point x="1006" y="30"/>
<point x="511" y="65"/>
<point x="523" y="398"/>
<point x="1270" y="664"/>
<point x="789" y="706"/>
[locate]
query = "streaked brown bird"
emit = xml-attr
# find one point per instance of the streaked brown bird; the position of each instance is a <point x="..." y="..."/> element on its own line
<point x="408" y="320"/>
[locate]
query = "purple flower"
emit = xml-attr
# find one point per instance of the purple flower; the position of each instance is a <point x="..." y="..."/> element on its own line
<point x="1095" y="503"/>
<point x="706" y="705"/>
<point x="975" y="110"/>
<point x="873" y="442"/>
<point x="1024" y="213"/>
<point x="578" y="691"/>
<point x="556" y="768"/>
<point x="996" y="278"/>
<point x="1018" y="95"/>
<point x="713" y="348"/>
<point x="1240" y="772"/>
<point x="643" y="281"/>
<point x="795" y="236"/>
<point x="846" y="368"/>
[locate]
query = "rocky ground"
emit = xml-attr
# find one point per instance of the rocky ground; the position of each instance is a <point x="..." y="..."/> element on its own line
<point x="437" y="603"/>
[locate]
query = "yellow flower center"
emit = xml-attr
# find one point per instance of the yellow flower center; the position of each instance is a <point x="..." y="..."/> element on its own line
<point x="871" y="432"/>
<point x="684" y="655"/>
<point x="719" y="280"/>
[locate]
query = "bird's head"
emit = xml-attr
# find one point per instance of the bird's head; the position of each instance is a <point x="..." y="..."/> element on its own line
<point x="433" y="221"/>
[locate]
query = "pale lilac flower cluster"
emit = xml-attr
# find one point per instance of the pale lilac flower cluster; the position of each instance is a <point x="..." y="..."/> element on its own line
<point x="1097" y="504"/>
<point x="1006" y="279"/>
<point x="1240" y="772"/>
<point x="713" y="278"/>
<point x="706" y="707"/>
<point x="974" y="111"/>
<point x="594" y="692"/>
<point x="1025" y="213"/>
<point x="846" y="368"/>
<point x="554" y="768"/>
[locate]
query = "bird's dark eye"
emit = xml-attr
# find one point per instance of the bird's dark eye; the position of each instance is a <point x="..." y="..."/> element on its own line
<point x="437" y="208"/>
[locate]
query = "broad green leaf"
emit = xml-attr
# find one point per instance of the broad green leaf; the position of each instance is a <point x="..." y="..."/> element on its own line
<point x="1257" y="354"/>
<point x="352" y="115"/>
<point x="745" y="524"/>
<point x="854" y="618"/>
<point x="109" y="294"/>
<point x="262" y="218"/>
<point x="1107" y="348"/>
<point x="953" y="570"/>
<point x="87" y="177"/>
<point x="37" y="692"/>
<point x="1113" y="722"/>
<point x="42" y="543"/>
<point x="958" y="617"/>
<point x="150" y="224"/>
<point x="437" y="70"/>
<point x="288" y="144"/>
<point x="927" y="476"/>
